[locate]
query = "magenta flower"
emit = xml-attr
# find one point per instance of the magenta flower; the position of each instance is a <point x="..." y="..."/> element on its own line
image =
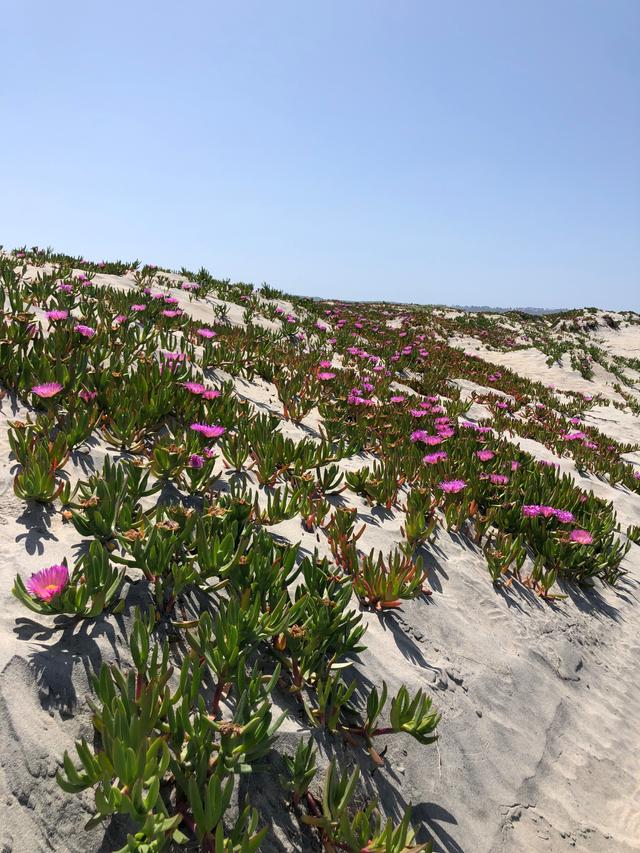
<point x="565" y="516"/>
<point x="397" y="398"/>
<point x="514" y="465"/>
<point x="499" y="479"/>
<point x="194" y="387"/>
<point x="452" y="487"/>
<point x="171" y="313"/>
<point x="357" y="400"/>
<point x="581" y="537"/>
<point x="434" y="458"/>
<point x="87" y="396"/>
<point x="485" y="455"/>
<point x="57" y="314"/>
<point x="196" y="461"/>
<point x="325" y="375"/>
<point x="530" y="510"/>
<point x="48" y="389"/>
<point x="206" y="333"/>
<point x="65" y="288"/>
<point x="210" y="394"/>
<point x="48" y="583"/>
<point x="209" y="431"/>
<point x="119" y="318"/>
<point x="85" y="331"/>
<point x="139" y="307"/>
<point x="445" y="431"/>
<point x="574" y="436"/>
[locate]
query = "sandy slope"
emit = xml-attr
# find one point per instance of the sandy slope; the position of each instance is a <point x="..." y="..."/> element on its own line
<point x="539" y="744"/>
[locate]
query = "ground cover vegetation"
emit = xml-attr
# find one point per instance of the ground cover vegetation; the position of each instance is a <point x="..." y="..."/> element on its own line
<point x="237" y="628"/>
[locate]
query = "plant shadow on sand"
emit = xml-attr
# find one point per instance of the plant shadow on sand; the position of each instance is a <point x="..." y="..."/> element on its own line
<point x="36" y="518"/>
<point x="68" y="642"/>
<point x="53" y="665"/>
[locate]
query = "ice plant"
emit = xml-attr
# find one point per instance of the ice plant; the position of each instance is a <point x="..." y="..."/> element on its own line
<point x="85" y="331"/>
<point x="499" y="479"/>
<point x="452" y="487"/>
<point x="47" y="583"/>
<point x="565" y="516"/>
<point x="581" y="537"/>
<point x="47" y="389"/>
<point x="434" y="458"/>
<point x="194" y="387"/>
<point x="57" y="314"/>
<point x="206" y="333"/>
<point x="209" y="431"/>
<point x="485" y="455"/>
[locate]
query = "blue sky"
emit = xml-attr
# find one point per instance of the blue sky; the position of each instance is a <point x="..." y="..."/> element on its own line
<point x="464" y="152"/>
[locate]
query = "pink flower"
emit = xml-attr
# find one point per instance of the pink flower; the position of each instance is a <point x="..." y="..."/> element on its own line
<point x="397" y="398"/>
<point x="325" y="364"/>
<point x="452" y="487"/>
<point x="87" y="396"/>
<point x="171" y="313"/>
<point x="209" y="431"/>
<point x="499" y="479"/>
<point x="485" y="455"/>
<point x="325" y="375"/>
<point x="530" y="510"/>
<point x="196" y="461"/>
<point x="206" y="333"/>
<point x="434" y="458"/>
<point x="445" y="432"/>
<point x="65" y="288"/>
<point x="565" y="516"/>
<point x="48" y="389"/>
<point x="582" y="537"/>
<point x="57" y="314"/>
<point x="139" y="307"/>
<point x="210" y="394"/>
<point x="85" y="331"/>
<point x="119" y="318"/>
<point x="194" y="387"/>
<point x="356" y="400"/>
<point x="48" y="583"/>
<point x="514" y="465"/>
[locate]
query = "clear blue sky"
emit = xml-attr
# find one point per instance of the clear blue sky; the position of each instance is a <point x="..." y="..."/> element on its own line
<point x="460" y="152"/>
